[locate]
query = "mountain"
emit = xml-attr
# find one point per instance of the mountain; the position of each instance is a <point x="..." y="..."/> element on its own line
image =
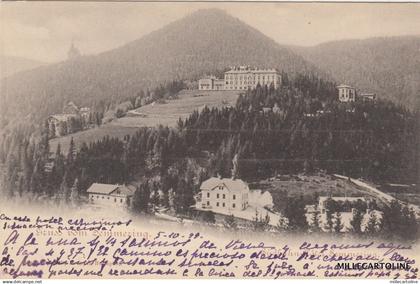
<point x="12" y="64"/>
<point x="388" y="66"/>
<point x="203" y="42"/>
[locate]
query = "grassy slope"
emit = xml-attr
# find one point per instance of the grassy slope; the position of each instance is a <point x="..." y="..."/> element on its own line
<point x="164" y="114"/>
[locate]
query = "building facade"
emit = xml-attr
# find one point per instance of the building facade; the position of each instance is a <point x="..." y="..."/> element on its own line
<point x="219" y="85"/>
<point x="220" y="194"/>
<point x="246" y="78"/>
<point x="110" y="195"/>
<point x="211" y="83"/>
<point x="70" y="120"/>
<point x="346" y="93"/>
<point x="206" y="83"/>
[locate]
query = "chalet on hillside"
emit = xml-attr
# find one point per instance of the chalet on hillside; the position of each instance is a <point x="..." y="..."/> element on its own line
<point x="110" y="195"/>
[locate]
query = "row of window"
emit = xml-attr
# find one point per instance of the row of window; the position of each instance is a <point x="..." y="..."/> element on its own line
<point x="246" y="82"/>
<point x="237" y="88"/>
<point x="223" y="204"/>
<point x="244" y="77"/>
<point x="103" y="197"/>
<point x="347" y="91"/>
<point x="223" y="195"/>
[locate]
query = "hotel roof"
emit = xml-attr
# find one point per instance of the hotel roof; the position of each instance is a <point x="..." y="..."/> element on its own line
<point x="102" y="188"/>
<point x="245" y="71"/>
<point x="345" y="86"/>
<point x="231" y="184"/>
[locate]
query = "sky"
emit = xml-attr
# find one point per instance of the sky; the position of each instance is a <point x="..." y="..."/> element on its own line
<point x="44" y="31"/>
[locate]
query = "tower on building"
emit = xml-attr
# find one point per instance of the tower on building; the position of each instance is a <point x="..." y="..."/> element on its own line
<point x="73" y="52"/>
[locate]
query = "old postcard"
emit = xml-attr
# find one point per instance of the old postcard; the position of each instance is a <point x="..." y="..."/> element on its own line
<point x="180" y="140"/>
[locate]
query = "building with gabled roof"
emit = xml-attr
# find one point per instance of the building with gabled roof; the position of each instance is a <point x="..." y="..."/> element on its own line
<point x="71" y="108"/>
<point x="110" y="194"/>
<point x="223" y="194"/>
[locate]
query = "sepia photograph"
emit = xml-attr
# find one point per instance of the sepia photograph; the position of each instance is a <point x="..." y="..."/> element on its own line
<point x="209" y="140"/>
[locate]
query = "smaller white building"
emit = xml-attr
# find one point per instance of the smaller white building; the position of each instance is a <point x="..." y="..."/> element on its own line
<point x="110" y="195"/>
<point x="366" y="97"/>
<point x="346" y="93"/>
<point x="223" y="194"/>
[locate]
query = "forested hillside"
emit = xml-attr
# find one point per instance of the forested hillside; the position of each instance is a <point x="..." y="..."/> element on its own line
<point x="389" y="66"/>
<point x="298" y="128"/>
<point x="305" y="130"/>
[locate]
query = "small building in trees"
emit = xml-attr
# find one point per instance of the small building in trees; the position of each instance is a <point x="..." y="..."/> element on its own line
<point x="58" y="124"/>
<point x="223" y="194"/>
<point x="85" y="113"/>
<point x="70" y="120"/>
<point x="110" y="195"/>
<point x="346" y="93"/>
<point x="367" y="97"/>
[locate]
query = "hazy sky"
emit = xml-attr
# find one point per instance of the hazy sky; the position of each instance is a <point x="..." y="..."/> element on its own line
<point x="44" y="30"/>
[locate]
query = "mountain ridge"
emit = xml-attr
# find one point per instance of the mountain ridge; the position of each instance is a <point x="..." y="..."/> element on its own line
<point x="203" y="42"/>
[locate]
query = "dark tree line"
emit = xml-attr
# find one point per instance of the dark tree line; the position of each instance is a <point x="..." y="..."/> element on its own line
<point x="299" y="127"/>
<point x="302" y="132"/>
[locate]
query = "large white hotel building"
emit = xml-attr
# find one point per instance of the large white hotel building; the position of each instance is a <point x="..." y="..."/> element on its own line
<point x="245" y="78"/>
